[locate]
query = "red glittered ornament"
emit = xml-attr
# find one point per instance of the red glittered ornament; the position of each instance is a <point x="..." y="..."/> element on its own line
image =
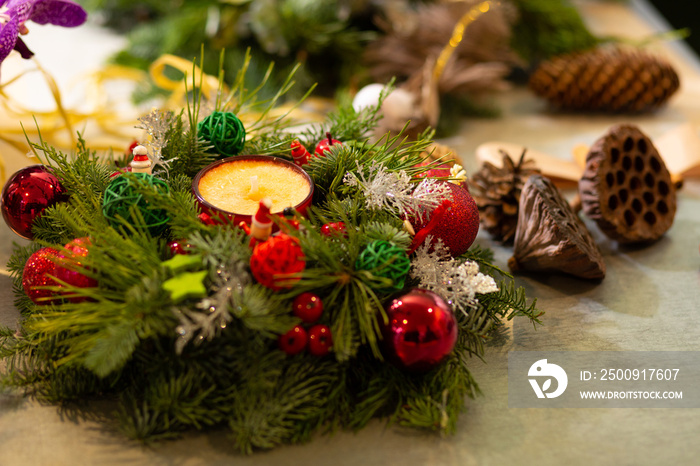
<point x="27" y="194"/>
<point x="458" y="227"/>
<point x="276" y="263"/>
<point x="69" y="265"/>
<point x="36" y="273"/>
<point x="421" y="331"/>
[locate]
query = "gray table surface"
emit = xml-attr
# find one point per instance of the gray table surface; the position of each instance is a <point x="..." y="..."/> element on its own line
<point x="650" y="300"/>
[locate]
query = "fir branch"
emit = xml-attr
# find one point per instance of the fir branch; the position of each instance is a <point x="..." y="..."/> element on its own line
<point x="439" y="399"/>
<point x="20" y="255"/>
<point x="266" y="417"/>
<point x="186" y="152"/>
<point x="484" y="257"/>
<point x="15" y="265"/>
<point x="509" y="302"/>
<point x="395" y="154"/>
<point x="346" y="124"/>
<point x="380" y="231"/>
<point x="81" y="174"/>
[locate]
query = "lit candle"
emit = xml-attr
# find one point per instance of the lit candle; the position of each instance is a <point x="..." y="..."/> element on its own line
<point x="234" y="186"/>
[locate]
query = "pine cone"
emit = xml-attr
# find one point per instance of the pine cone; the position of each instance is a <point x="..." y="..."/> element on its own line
<point x="606" y="80"/>
<point x="497" y="194"/>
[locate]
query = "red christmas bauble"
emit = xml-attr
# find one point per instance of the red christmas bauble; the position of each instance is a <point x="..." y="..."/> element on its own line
<point x="294" y="341"/>
<point x="27" y="194"/>
<point x="325" y="145"/>
<point x="121" y="171"/>
<point x="36" y="273"/>
<point x="334" y="229"/>
<point x="75" y="251"/>
<point x="458" y="227"/>
<point x="320" y="340"/>
<point x="275" y="262"/>
<point x="179" y="247"/>
<point x="308" y="307"/>
<point x="421" y="331"/>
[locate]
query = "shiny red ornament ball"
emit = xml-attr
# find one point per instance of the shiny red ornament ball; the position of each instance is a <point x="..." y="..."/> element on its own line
<point x="76" y="250"/>
<point x="325" y="145"/>
<point x="308" y="307"/>
<point x="294" y="341"/>
<point x="320" y="340"/>
<point x="277" y="262"/>
<point x="121" y="171"/>
<point x="27" y="194"/>
<point x="421" y="331"/>
<point x="334" y="229"/>
<point x="36" y="273"/>
<point x="458" y="227"/>
<point x="179" y="247"/>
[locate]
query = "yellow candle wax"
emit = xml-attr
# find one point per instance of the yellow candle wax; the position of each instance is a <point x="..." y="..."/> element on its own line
<point x="228" y="186"/>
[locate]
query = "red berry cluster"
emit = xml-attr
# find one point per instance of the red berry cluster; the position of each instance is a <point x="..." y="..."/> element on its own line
<point x="318" y="339"/>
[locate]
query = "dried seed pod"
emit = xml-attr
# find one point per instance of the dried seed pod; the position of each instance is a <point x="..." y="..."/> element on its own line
<point x="626" y="187"/>
<point x="550" y="236"/>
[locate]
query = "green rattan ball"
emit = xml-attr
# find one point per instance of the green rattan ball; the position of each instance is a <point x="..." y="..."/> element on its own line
<point x="386" y="260"/>
<point x="224" y="131"/>
<point x="122" y="196"/>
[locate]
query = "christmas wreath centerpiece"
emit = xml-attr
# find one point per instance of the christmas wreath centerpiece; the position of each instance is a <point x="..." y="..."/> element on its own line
<point x="273" y="327"/>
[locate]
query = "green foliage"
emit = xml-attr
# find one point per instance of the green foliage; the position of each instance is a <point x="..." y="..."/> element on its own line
<point x="549" y="27"/>
<point x="323" y="37"/>
<point x="215" y="361"/>
<point x="188" y="152"/>
<point x="395" y="153"/>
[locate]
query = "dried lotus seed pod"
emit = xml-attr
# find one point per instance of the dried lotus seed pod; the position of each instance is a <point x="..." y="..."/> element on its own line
<point x="626" y="187"/>
<point x="550" y="236"/>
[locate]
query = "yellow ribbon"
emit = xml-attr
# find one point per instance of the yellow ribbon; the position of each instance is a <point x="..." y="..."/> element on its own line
<point x="458" y="34"/>
<point x="114" y="130"/>
<point x="207" y="84"/>
<point x="58" y="126"/>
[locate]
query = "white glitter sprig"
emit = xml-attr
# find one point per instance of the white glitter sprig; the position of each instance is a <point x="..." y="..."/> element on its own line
<point x="384" y="189"/>
<point x="215" y="316"/>
<point x="456" y="282"/>
<point x="156" y="124"/>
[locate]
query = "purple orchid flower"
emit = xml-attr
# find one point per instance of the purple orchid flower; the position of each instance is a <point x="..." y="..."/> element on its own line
<point x="14" y="13"/>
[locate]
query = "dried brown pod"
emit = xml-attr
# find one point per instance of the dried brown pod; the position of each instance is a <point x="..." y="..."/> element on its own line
<point x="496" y="191"/>
<point x="626" y="187"/>
<point x="551" y="237"/>
<point x="608" y="79"/>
